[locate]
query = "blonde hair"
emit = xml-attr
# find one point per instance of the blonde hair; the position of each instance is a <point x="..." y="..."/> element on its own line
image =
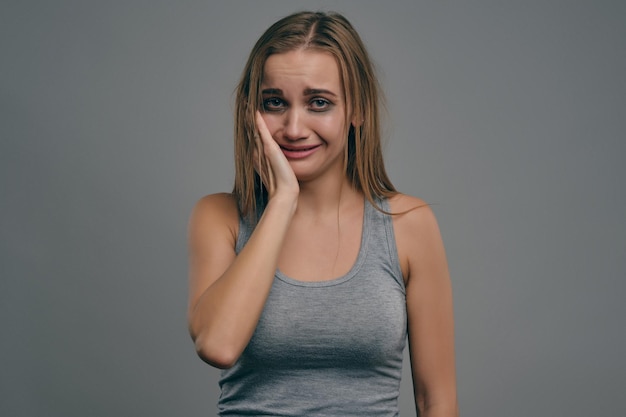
<point x="327" y="32"/>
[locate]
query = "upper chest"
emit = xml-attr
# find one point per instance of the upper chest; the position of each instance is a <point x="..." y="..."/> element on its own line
<point x="323" y="248"/>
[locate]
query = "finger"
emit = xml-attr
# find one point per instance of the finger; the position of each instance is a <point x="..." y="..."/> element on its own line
<point x="259" y="158"/>
<point x="258" y="153"/>
<point x="262" y="164"/>
<point x="270" y="177"/>
<point x="256" y="158"/>
<point x="266" y="142"/>
<point x="264" y="133"/>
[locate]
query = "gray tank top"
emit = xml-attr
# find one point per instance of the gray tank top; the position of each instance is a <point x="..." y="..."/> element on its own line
<point x="326" y="348"/>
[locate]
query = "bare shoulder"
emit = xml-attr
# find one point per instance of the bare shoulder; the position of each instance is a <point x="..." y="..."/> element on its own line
<point x="217" y="202"/>
<point x="416" y="230"/>
<point x="411" y="212"/>
<point x="215" y="212"/>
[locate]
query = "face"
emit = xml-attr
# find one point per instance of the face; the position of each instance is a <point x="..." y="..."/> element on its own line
<point x="304" y="109"/>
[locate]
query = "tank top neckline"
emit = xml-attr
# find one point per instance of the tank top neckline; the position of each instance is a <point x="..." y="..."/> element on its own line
<point x="365" y="228"/>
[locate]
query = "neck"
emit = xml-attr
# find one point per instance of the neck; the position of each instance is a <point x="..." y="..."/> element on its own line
<point x="326" y="196"/>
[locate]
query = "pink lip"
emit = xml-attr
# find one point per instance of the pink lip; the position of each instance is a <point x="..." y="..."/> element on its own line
<point x="299" y="153"/>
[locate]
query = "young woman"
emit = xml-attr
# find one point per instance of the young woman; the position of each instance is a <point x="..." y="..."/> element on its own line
<point x="307" y="278"/>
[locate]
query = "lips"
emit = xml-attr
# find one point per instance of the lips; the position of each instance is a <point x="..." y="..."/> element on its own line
<point x="300" y="152"/>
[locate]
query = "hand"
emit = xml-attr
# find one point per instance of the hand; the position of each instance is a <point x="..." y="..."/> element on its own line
<point x="271" y="164"/>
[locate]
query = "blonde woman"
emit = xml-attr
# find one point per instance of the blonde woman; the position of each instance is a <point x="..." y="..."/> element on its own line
<point x="307" y="280"/>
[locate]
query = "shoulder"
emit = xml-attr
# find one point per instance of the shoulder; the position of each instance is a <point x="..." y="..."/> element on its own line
<point x="219" y="202"/>
<point x="416" y="230"/>
<point x="411" y="211"/>
<point x="215" y="213"/>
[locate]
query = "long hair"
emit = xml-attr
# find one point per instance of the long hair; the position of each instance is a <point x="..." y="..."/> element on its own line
<point x="327" y="32"/>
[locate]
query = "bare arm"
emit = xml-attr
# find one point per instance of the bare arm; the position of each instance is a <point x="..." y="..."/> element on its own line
<point x="227" y="292"/>
<point x="429" y="309"/>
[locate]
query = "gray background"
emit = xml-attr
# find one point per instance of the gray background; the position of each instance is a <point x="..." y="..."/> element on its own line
<point x="116" y="118"/>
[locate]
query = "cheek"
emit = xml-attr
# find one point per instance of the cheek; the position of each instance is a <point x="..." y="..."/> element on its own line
<point x="334" y="128"/>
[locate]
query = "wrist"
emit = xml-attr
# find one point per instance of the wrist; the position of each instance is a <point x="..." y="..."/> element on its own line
<point x="284" y="203"/>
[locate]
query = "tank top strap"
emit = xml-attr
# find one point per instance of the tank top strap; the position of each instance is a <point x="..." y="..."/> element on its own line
<point x="382" y="236"/>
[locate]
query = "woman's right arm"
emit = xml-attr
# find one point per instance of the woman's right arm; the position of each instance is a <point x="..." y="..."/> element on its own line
<point x="227" y="292"/>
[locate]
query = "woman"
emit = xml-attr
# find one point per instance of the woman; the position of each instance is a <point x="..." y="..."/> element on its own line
<point x="306" y="279"/>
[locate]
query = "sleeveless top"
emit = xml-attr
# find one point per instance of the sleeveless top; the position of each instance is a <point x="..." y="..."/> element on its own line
<point x="326" y="348"/>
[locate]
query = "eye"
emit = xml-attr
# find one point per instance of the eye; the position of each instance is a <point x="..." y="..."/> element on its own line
<point x="319" y="104"/>
<point x="273" y="104"/>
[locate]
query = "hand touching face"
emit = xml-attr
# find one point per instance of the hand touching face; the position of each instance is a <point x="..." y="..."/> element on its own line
<point x="270" y="162"/>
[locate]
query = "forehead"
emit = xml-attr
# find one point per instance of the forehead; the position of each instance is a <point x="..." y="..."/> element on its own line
<point x="302" y="69"/>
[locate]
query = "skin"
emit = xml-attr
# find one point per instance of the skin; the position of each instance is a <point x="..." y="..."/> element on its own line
<point x="313" y="215"/>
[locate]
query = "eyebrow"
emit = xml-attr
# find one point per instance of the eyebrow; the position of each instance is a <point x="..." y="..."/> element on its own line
<point x="307" y="92"/>
<point x="314" y="91"/>
<point x="276" y="91"/>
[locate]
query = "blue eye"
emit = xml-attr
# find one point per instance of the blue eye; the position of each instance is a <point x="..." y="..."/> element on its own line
<point x="320" y="104"/>
<point x="272" y="104"/>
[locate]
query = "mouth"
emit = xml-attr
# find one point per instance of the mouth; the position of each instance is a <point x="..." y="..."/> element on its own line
<point x="292" y="152"/>
<point x="298" y="149"/>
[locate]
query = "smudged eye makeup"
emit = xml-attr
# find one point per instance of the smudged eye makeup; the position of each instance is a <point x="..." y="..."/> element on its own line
<point x="273" y="100"/>
<point x="273" y="104"/>
<point x="317" y="104"/>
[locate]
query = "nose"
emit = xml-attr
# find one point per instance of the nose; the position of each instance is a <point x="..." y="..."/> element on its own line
<point x="294" y="126"/>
